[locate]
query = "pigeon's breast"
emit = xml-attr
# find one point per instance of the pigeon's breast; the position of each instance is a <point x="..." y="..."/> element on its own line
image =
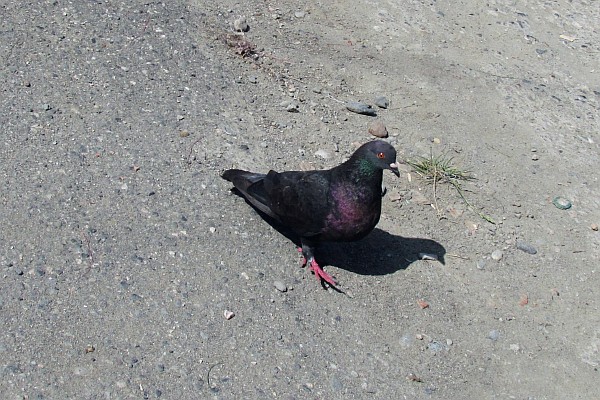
<point x="354" y="213"/>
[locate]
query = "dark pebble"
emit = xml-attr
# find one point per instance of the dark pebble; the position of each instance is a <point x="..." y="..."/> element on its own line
<point x="526" y="247"/>
<point x="361" y="108"/>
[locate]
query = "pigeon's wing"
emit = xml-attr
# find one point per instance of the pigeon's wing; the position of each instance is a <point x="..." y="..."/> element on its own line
<point x="251" y="185"/>
<point x="300" y="199"/>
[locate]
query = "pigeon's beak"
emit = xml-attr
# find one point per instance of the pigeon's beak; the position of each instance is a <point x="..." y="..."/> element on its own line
<point x="394" y="169"/>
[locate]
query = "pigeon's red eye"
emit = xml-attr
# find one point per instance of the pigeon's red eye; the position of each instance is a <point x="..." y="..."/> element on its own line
<point x="380" y="155"/>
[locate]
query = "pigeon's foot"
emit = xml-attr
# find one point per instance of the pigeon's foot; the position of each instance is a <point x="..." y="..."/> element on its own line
<point x="315" y="268"/>
<point x="320" y="274"/>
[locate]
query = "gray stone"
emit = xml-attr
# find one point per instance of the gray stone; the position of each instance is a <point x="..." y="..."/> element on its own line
<point x="282" y="287"/>
<point x="382" y="102"/>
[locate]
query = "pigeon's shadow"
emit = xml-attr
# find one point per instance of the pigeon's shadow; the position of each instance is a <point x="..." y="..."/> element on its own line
<point x="379" y="253"/>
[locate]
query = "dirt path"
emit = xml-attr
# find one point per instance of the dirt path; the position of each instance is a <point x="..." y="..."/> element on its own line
<point x="122" y="248"/>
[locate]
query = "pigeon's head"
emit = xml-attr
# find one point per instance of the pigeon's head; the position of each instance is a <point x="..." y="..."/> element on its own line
<point x="380" y="154"/>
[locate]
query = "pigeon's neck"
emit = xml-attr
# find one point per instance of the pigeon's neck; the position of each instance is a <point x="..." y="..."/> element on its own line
<point x="362" y="171"/>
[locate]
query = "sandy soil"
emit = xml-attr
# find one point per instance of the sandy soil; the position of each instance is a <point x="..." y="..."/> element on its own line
<point x="122" y="248"/>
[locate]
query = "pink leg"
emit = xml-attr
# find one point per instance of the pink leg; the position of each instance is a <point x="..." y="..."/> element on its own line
<point x="318" y="271"/>
<point x="320" y="274"/>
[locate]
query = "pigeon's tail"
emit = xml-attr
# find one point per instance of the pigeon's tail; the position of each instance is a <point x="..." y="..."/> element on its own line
<point x="251" y="185"/>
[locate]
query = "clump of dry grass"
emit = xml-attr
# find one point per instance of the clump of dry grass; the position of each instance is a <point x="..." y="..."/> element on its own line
<point x="441" y="169"/>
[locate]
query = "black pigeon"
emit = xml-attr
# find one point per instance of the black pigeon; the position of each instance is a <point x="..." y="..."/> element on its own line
<point x="338" y="204"/>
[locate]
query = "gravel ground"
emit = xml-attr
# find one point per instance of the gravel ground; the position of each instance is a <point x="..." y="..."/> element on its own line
<point x="130" y="271"/>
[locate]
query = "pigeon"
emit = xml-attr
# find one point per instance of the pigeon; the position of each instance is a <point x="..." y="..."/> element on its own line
<point x="340" y="204"/>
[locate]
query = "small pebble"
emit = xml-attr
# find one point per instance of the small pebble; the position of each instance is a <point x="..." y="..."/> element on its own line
<point x="561" y="203"/>
<point x="322" y="154"/>
<point x="280" y="286"/>
<point x="497" y="255"/>
<point x="240" y="25"/>
<point x="299" y="14"/>
<point x="382" y="102"/>
<point x="406" y="340"/>
<point x="422" y="304"/>
<point x="253" y="79"/>
<point x="524" y="300"/>
<point x="361" y="108"/>
<point x="526" y="247"/>
<point x="228" y="314"/>
<point x="594" y="227"/>
<point x="435" y="346"/>
<point x="481" y="264"/>
<point x="535" y="157"/>
<point x="494" y="335"/>
<point x="378" y="129"/>
<point x="293" y="108"/>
